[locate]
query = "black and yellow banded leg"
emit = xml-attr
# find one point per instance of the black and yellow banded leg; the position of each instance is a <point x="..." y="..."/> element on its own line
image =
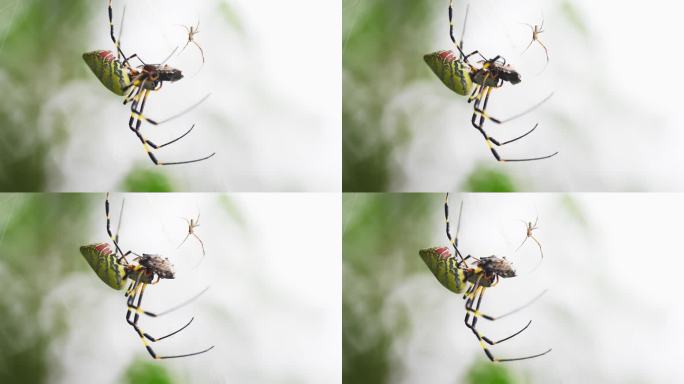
<point x="490" y="141"/>
<point x="117" y="43"/>
<point x="478" y="292"/>
<point x="115" y="238"/>
<point x="473" y="324"/>
<point x="459" y="45"/>
<point x="454" y="241"/>
<point x="137" y="293"/>
<point x="134" y="124"/>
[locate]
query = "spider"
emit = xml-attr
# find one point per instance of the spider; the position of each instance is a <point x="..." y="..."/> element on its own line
<point x="458" y="275"/>
<point x="464" y="78"/>
<point x="112" y="267"/>
<point x="135" y="84"/>
<point x="192" y="31"/>
<point x="536" y="31"/>
<point x="530" y="228"/>
<point x="192" y="224"/>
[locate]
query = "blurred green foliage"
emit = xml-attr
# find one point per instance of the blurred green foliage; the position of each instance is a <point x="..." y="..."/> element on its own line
<point x="39" y="244"/>
<point x="487" y="179"/>
<point x="575" y="17"/>
<point x="382" y="50"/>
<point x="484" y="371"/>
<point x="147" y="180"/>
<point x="147" y="372"/>
<point x="41" y="43"/>
<point x="377" y="228"/>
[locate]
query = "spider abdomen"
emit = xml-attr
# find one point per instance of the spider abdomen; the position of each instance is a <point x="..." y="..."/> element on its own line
<point x="105" y="264"/>
<point x="453" y="72"/>
<point x="444" y="266"/>
<point x="109" y="70"/>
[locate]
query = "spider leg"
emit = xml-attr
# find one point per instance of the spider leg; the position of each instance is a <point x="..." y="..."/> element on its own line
<point x="539" y="244"/>
<point x="477" y="313"/>
<point x="474" y="321"/>
<point x="109" y="231"/>
<point x="137" y="292"/>
<point x="490" y="140"/>
<point x="200" y="241"/>
<point x="479" y="292"/>
<point x="454" y="241"/>
<point x="546" y="51"/>
<point x="137" y="117"/>
<point x="183" y="242"/>
<point x="200" y="48"/>
<point x="528" y="46"/>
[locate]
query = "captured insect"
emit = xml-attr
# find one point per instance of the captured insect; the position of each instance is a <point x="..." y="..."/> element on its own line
<point x="192" y="31"/>
<point x="464" y="78"/>
<point x="135" y="84"/>
<point x="473" y="276"/>
<point x="112" y="267"/>
<point x="192" y="224"/>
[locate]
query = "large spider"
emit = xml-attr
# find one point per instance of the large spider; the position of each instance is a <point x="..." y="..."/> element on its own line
<point x="458" y="275"/>
<point x="112" y="267"/>
<point x="135" y="84"/>
<point x="459" y="75"/>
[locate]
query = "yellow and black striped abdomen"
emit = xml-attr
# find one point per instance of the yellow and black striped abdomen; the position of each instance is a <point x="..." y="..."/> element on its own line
<point x="453" y="72"/>
<point x="444" y="266"/>
<point x="109" y="70"/>
<point x="105" y="264"/>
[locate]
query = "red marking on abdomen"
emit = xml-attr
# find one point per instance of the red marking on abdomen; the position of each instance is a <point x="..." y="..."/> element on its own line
<point x="103" y="248"/>
<point x="443" y="252"/>
<point x="107" y="55"/>
<point x="446" y="55"/>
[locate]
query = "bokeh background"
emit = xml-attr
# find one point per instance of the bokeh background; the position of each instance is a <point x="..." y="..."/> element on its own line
<point x="614" y="115"/>
<point x="273" y="117"/>
<point x="612" y="312"/>
<point x="272" y="309"/>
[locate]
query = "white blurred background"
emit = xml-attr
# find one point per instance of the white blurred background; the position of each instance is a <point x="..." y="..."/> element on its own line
<point x="272" y="309"/>
<point x="273" y="118"/>
<point x="612" y="312"/>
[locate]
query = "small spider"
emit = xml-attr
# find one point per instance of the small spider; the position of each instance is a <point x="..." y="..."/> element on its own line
<point x="530" y="228"/>
<point x="536" y="31"/>
<point x="192" y="31"/>
<point x="192" y="224"/>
